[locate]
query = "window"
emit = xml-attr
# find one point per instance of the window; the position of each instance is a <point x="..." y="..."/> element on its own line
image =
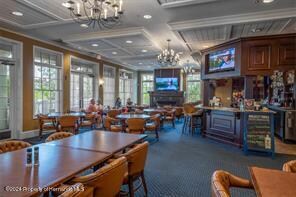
<point x="146" y="86"/>
<point x="47" y="81"/>
<point x="125" y="86"/>
<point x="109" y="86"/>
<point x="193" y="87"/>
<point x="82" y="83"/>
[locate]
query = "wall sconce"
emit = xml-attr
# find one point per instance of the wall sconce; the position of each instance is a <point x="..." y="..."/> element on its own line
<point x="101" y="83"/>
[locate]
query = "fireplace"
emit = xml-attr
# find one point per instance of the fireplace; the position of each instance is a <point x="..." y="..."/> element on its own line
<point x="161" y="98"/>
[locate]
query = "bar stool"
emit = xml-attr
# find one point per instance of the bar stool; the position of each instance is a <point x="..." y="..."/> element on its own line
<point x="192" y="119"/>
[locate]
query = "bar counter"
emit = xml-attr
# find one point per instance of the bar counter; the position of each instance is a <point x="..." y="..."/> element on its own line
<point x="226" y="124"/>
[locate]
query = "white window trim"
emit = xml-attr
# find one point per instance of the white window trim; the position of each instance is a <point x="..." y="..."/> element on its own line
<point x="96" y="74"/>
<point x="196" y="80"/>
<point x="141" y="85"/>
<point x="61" y="73"/>
<point x="17" y="112"/>
<point x="114" y="69"/>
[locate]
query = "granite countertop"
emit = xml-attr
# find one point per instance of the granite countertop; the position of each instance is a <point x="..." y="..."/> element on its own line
<point x="231" y="109"/>
<point x="272" y="107"/>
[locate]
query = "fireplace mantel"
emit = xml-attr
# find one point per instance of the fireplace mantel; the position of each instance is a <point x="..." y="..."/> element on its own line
<point x="161" y="98"/>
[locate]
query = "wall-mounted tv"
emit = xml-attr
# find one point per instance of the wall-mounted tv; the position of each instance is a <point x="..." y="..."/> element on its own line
<point x="166" y="84"/>
<point x="222" y="60"/>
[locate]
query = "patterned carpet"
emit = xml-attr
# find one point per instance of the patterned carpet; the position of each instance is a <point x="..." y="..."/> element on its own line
<point x="181" y="165"/>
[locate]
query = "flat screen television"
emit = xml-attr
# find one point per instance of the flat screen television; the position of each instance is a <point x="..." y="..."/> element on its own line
<point x="222" y="60"/>
<point x="167" y="84"/>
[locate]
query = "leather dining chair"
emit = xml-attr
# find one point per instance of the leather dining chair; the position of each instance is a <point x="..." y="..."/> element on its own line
<point x="111" y="124"/>
<point x="46" y="123"/>
<point x="68" y="123"/>
<point x="290" y="166"/>
<point x="136" y="159"/>
<point x="107" y="180"/>
<point x="154" y="124"/>
<point x="113" y="113"/>
<point x="13" y="145"/>
<point x="170" y="116"/>
<point x="76" y="190"/>
<point x="179" y="112"/>
<point x="58" y="136"/>
<point x="135" y="125"/>
<point x="88" y="121"/>
<point x="222" y="181"/>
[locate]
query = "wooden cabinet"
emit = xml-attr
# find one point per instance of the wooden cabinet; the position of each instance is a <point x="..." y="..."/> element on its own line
<point x="286" y="54"/>
<point x="259" y="57"/>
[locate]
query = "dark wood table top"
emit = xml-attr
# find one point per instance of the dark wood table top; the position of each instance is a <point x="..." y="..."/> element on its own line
<point x="128" y="116"/>
<point x="101" y="141"/>
<point x="57" y="165"/>
<point x="273" y="183"/>
<point x="59" y="114"/>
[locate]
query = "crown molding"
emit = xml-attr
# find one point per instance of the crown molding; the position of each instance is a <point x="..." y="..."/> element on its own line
<point x="184" y="3"/>
<point x="234" y="19"/>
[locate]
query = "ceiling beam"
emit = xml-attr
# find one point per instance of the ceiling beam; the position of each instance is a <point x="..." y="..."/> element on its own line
<point x="234" y="19"/>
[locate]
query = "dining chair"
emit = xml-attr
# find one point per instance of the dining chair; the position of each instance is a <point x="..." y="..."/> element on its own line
<point x="58" y="136"/>
<point x="222" y="181"/>
<point x="113" y="113"/>
<point x="107" y="180"/>
<point x="192" y="118"/>
<point x="290" y="166"/>
<point x="170" y="116"/>
<point x="88" y="121"/>
<point x="179" y="112"/>
<point x="68" y="123"/>
<point x="136" y="159"/>
<point x="135" y="125"/>
<point x="111" y="124"/>
<point x="13" y="145"/>
<point x="46" y="123"/>
<point x="76" y="190"/>
<point x="154" y="124"/>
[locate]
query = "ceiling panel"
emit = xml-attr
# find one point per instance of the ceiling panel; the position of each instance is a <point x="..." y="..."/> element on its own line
<point x="88" y="44"/>
<point x="110" y="53"/>
<point x="179" y="3"/>
<point x="30" y="16"/>
<point x="137" y="41"/>
<point x="144" y="51"/>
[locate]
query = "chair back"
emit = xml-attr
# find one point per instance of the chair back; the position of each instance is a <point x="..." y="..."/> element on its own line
<point x="290" y="166"/>
<point x="107" y="123"/>
<point x="156" y="119"/>
<point x="68" y="121"/>
<point x="13" y="145"/>
<point x="136" y="125"/>
<point x="138" y="111"/>
<point x="76" y="190"/>
<point x="155" y="112"/>
<point x="171" y="113"/>
<point x="189" y="108"/>
<point x="58" y="136"/>
<point x="113" y="113"/>
<point x="136" y="158"/>
<point x="107" y="180"/>
<point x="179" y="111"/>
<point x="222" y="181"/>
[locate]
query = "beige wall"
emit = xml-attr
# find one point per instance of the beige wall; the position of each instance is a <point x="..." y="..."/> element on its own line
<point x="224" y="92"/>
<point x="28" y="122"/>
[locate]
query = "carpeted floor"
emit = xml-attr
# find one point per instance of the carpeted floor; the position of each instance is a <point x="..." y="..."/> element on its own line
<point x="181" y="165"/>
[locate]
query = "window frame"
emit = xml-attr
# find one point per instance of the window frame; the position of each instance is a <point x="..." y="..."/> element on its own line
<point x="104" y="89"/>
<point x="146" y="81"/>
<point x="124" y="92"/>
<point x="192" y="81"/>
<point x="60" y="81"/>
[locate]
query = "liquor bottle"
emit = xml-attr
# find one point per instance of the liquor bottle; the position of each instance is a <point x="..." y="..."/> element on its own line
<point x="36" y="155"/>
<point x="267" y="142"/>
<point x="29" y="157"/>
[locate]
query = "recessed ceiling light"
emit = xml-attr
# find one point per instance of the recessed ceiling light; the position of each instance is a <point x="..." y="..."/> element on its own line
<point x="84" y="25"/>
<point x="66" y="4"/>
<point x="255" y="30"/>
<point x="205" y="46"/>
<point x="180" y="53"/>
<point x="140" y="63"/>
<point x="267" y="1"/>
<point x="147" y="16"/>
<point x="144" y="51"/>
<point x="16" y="13"/>
<point x="114" y="52"/>
<point x="129" y="41"/>
<point x="94" y="45"/>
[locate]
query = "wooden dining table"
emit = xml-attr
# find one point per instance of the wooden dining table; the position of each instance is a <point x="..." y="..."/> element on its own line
<point x="100" y="141"/>
<point x="273" y="183"/>
<point x="57" y="165"/>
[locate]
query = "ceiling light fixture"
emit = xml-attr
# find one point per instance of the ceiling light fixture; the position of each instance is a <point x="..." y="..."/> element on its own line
<point x="205" y="46"/>
<point x="114" y="53"/>
<point x="144" y="51"/>
<point x="168" y="57"/>
<point x="84" y="25"/>
<point x="16" y="13"/>
<point x="95" y="13"/>
<point x="147" y="16"/>
<point x="94" y="45"/>
<point x="188" y="68"/>
<point x="268" y="1"/>
<point x="129" y="41"/>
<point x="256" y="30"/>
<point x="140" y="63"/>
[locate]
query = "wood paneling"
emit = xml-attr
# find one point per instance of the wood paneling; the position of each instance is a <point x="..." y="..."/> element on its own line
<point x="259" y="57"/>
<point x="286" y="55"/>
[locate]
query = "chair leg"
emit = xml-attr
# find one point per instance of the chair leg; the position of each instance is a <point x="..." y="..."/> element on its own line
<point x="40" y="133"/>
<point x="144" y="183"/>
<point x="131" y="187"/>
<point x="156" y="133"/>
<point x="184" y="124"/>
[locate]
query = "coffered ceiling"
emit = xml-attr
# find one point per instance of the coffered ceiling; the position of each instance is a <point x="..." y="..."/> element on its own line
<point x="192" y="25"/>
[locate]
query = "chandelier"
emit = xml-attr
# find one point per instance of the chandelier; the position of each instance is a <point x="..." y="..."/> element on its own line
<point x="188" y="68"/>
<point x="168" y="57"/>
<point x="101" y="13"/>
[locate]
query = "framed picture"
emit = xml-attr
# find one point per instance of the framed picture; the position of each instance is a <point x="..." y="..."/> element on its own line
<point x="249" y="104"/>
